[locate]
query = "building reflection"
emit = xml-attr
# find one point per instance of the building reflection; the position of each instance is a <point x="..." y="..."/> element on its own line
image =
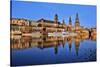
<point x="19" y="42"/>
<point x="77" y="43"/>
<point x="69" y="40"/>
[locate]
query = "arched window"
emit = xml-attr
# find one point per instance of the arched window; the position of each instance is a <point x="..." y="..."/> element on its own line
<point x="39" y="25"/>
<point x="44" y="29"/>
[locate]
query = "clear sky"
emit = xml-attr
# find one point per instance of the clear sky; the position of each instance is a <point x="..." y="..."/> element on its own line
<point x="38" y="10"/>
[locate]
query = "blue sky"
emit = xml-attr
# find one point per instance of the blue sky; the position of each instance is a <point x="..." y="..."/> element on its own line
<point x="38" y="10"/>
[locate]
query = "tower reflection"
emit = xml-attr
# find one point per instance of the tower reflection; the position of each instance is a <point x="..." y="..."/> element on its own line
<point x="69" y="40"/>
<point x="20" y="42"/>
<point x="77" y="43"/>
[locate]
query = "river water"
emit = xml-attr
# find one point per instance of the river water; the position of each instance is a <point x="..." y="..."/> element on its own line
<point x="51" y="50"/>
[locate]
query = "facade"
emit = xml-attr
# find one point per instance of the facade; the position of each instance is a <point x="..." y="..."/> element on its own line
<point x="52" y="26"/>
<point x="44" y="26"/>
<point x="18" y="25"/>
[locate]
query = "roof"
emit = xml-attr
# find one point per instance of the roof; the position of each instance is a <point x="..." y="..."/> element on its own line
<point x="18" y="19"/>
<point x="48" y="21"/>
<point x="22" y="19"/>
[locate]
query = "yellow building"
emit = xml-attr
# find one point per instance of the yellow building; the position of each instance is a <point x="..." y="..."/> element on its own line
<point x="18" y="26"/>
<point x="51" y="26"/>
<point x="44" y="26"/>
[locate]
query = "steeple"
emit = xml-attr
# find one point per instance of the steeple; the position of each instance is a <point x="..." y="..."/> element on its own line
<point x="77" y="23"/>
<point x="77" y="18"/>
<point x="63" y="21"/>
<point x="56" y="18"/>
<point x="70" y="21"/>
<point x="42" y="20"/>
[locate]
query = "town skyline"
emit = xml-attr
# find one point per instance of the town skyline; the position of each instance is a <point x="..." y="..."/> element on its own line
<point x="51" y="9"/>
<point x="52" y="32"/>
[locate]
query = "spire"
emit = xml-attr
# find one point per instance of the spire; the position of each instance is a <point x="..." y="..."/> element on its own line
<point x="70" y="20"/>
<point x="63" y="21"/>
<point x="77" y="22"/>
<point x="77" y="18"/>
<point x="42" y="20"/>
<point x="56" y="18"/>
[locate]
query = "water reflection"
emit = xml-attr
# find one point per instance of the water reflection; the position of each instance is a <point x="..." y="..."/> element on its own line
<point x="20" y="42"/>
<point x="31" y="50"/>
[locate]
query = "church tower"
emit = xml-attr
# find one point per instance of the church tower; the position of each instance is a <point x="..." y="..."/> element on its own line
<point x="69" y="28"/>
<point x="56" y="18"/>
<point x="63" y="25"/>
<point x="77" y="23"/>
<point x="63" y="21"/>
<point x="70" y="21"/>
